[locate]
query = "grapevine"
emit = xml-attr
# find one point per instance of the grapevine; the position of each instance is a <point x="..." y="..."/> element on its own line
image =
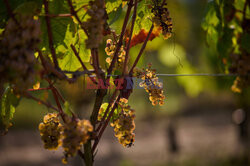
<point x="31" y="51"/>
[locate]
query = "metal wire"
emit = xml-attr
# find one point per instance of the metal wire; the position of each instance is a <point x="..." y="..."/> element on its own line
<point x="199" y="74"/>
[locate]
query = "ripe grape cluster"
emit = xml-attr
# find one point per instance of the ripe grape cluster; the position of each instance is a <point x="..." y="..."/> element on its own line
<point x="75" y="134"/>
<point x="72" y="135"/>
<point x="124" y="125"/>
<point x="50" y="131"/>
<point x="162" y="19"/>
<point x="151" y="84"/>
<point x="240" y="65"/>
<point x="17" y="46"/>
<point x="110" y="51"/>
<point x="95" y="24"/>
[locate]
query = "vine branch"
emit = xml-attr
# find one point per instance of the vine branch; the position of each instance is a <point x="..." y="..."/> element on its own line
<point x="50" y="34"/>
<point x="110" y="69"/>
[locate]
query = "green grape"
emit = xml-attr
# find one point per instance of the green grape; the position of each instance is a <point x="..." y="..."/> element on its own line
<point x="50" y="131"/>
<point x="110" y="51"/>
<point x="124" y="125"/>
<point x="75" y="134"/>
<point x="162" y="20"/>
<point x="17" y="47"/>
<point x="151" y="85"/>
<point x="95" y="24"/>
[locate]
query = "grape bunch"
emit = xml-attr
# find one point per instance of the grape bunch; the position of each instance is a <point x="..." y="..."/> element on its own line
<point x="124" y="125"/>
<point x="110" y="51"/>
<point x="50" y="131"/>
<point x="240" y="65"/>
<point x="151" y="84"/>
<point x="162" y="20"/>
<point x="17" y="46"/>
<point x="95" y="24"/>
<point x="75" y="134"/>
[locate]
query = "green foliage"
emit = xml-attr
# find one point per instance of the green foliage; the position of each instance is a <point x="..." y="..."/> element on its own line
<point x="113" y="5"/>
<point x="115" y="115"/>
<point x="143" y="17"/>
<point x="8" y="104"/>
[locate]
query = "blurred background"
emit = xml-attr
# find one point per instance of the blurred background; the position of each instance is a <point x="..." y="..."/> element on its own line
<point x="201" y="124"/>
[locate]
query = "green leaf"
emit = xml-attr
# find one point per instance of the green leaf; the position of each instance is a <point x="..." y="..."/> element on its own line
<point x="210" y="19"/>
<point x="8" y="105"/>
<point x="112" y="5"/>
<point x="58" y="25"/>
<point x="114" y="16"/>
<point x="144" y="15"/>
<point x="30" y="8"/>
<point x="69" y="61"/>
<point x="225" y="44"/>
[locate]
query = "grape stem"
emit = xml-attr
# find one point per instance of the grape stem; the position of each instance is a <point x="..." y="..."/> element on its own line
<point x="83" y="66"/>
<point x="141" y="50"/>
<point x="57" y="15"/>
<point x="105" y="125"/>
<point x="130" y="37"/>
<point x="74" y="13"/>
<point x="48" y="88"/>
<point x="50" y="34"/>
<point x="119" y="44"/>
<point x="107" y="110"/>
<point x="28" y="95"/>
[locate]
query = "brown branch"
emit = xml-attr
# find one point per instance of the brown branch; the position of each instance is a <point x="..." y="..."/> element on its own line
<point x="74" y="13"/>
<point x="83" y="66"/>
<point x="130" y="5"/>
<point x="50" y="35"/>
<point x="105" y="125"/>
<point x="111" y="101"/>
<point x="88" y="155"/>
<point x="142" y="49"/>
<point x="28" y="95"/>
<point x="51" y="69"/>
<point x="48" y="88"/>
<point x="130" y="37"/>
<point x="95" y="58"/>
<point x="83" y="6"/>
<point x="58" y="15"/>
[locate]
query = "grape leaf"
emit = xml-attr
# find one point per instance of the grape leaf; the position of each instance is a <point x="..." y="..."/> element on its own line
<point x="112" y="5"/>
<point x="69" y="61"/>
<point x="114" y="16"/>
<point x="58" y="25"/>
<point x="8" y="104"/>
<point x="143" y="17"/>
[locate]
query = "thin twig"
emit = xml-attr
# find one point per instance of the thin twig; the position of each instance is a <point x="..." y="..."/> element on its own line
<point x="105" y="125"/>
<point x="58" y="15"/>
<point x="83" y="66"/>
<point x="110" y="69"/>
<point x="48" y="88"/>
<point x="28" y="95"/>
<point x="74" y="13"/>
<point x="130" y="37"/>
<point x="142" y="49"/>
<point x="50" y="34"/>
<point x="111" y="101"/>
